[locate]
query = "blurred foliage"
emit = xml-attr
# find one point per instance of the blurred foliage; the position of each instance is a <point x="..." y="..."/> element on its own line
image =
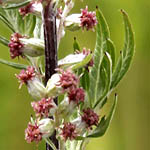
<point x="130" y="127"/>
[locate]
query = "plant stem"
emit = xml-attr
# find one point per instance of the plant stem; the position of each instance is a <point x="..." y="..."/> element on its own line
<point x="50" y="37"/>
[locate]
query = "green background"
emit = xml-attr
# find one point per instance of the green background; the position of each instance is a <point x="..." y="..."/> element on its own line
<point x="130" y="127"/>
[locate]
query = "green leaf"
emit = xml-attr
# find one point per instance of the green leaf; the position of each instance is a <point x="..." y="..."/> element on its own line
<point x="4" y="41"/>
<point x="84" y="80"/>
<point x="102" y="36"/>
<point x="111" y="50"/>
<point x="127" y="53"/>
<point x="48" y="141"/>
<point x="17" y="5"/>
<point x="6" y="22"/>
<point x="24" y="26"/>
<point x="104" y="123"/>
<point x="76" y="45"/>
<point x="106" y="77"/>
<point x="12" y="64"/>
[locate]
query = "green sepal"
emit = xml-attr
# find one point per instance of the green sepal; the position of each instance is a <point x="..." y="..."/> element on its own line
<point x="12" y="64"/>
<point x="104" y="123"/>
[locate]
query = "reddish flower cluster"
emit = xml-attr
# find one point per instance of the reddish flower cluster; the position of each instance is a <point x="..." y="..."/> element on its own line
<point x="43" y="107"/>
<point x="32" y="133"/>
<point x="26" y="9"/>
<point x="26" y="75"/>
<point x="77" y="95"/>
<point x="90" y="117"/>
<point x="68" y="131"/>
<point x="88" y="19"/>
<point x="68" y="80"/>
<point x="15" y="45"/>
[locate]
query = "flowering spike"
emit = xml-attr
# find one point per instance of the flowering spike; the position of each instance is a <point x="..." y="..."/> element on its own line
<point x="26" y="75"/>
<point x="15" y="45"/>
<point x="88" y="19"/>
<point x="90" y="117"/>
<point x="68" y="131"/>
<point x="42" y="107"/>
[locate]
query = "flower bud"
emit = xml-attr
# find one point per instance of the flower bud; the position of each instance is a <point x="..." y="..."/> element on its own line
<point x="32" y="47"/>
<point x="52" y="87"/>
<point x="72" y="22"/>
<point x="66" y="108"/>
<point x="36" y="88"/>
<point x="20" y="45"/>
<point x="46" y="127"/>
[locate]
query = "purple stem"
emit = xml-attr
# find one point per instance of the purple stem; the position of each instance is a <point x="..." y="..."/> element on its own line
<point x="50" y="37"/>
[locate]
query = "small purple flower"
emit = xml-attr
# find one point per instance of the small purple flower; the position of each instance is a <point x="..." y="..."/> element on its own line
<point x="90" y="117"/>
<point x="42" y="107"/>
<point x="67" y="79"/>
<point x="26" y="75"/>
<point x="15" y="45"/>
<point x="76" y="95"/>
<point x="68" y="131"/>
<point x="32" y="133"/>
<point x="88" y="19"/>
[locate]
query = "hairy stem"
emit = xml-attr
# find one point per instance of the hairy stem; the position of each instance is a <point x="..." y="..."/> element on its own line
<point x="50" y="37"/>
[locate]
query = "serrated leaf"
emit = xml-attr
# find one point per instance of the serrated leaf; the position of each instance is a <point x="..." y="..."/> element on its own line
<point x="16" y="5"/>
<point x="102" y="36"/>
<point x="76" y="45"/>
<point x="127" y="53"/>
<point x="104" y="123"/>
<point x="4" y="41"/>
<point x="12" y="64"/>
